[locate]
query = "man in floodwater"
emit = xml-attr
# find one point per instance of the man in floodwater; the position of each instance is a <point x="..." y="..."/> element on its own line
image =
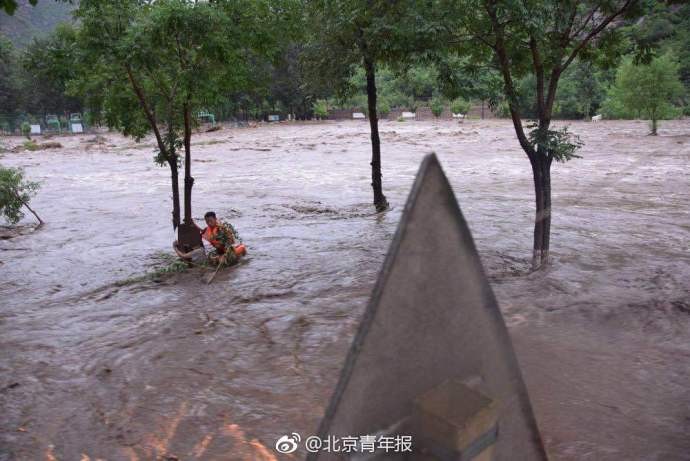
<point x="212" y="234"/>
<point x="226" y="250"/>
<point x="222" y="239"/>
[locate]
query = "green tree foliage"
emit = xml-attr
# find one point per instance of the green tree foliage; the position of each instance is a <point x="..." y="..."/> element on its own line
<point x="437" y="105"/>
<point x="656" y="30"/>
<point x="321" y="108"/>
<point x="48" y="64"/>
<point x="9" y="77"/>
<point x="392" y="89"/>
<point x="15" y="194"/>
<point x="680" y="45"/>
<point x="287" y="89"/>
<point x="665" y="29"/>
<point x="352" y="34"/>
<point x="541" y="38"/>
<point x="460" y="106"/>
<point x="25" y="128"/>
<point x="460" y="78"/>
<point x="648" y="90"/>
<point x="580" y="93"/>
<point x="419" y="82"/>
<point x="150" y="66"/>
<point x="277" y="82"/>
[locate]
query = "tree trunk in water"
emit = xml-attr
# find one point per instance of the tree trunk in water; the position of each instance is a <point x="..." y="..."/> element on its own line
<point x="26" y="204"/>
<point x="541" y="172"/>
<point x="380" y="201"/>
<point x="653" y="133"/>
<point x="175" y="193"/>
<point x="188" y="180"/>
<point x="546" y="242"/>
<point x="153" y="123"/>
<point x="40" y="221"/>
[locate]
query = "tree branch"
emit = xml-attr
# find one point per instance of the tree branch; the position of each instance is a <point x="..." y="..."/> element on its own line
<point x="551" y="94"/>
<point x="26" y="204"/>
<point x="588" y="18"/>
<point x="504" y="64"/>
<point x="539" y="74"/>
<point x="150" y="116"/>
<point x="595" y="31"/>
<point x="571" y="22"/>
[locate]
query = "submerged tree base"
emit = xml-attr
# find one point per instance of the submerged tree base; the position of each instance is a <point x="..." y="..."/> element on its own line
<point x="382" y="206"/>
<point x="540" y="261"/>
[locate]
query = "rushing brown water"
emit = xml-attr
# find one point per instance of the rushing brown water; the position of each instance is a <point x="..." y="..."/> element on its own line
<point x="176" y="369"/>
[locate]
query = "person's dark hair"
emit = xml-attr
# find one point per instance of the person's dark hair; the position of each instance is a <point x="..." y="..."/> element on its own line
<point x="210" y="214"/>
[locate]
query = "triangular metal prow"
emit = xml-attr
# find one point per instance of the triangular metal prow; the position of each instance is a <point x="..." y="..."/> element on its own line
<point x="433" y="320"/>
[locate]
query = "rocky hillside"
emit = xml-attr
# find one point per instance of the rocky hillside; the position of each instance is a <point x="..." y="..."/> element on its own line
<point x="34" y="21"/>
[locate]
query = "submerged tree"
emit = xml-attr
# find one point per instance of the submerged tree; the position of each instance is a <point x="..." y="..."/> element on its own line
<point x="346" y="35"/>
<point x="150" y="66"/>
<point x="15" y="194"/>
<point x="648" y="89"/>
<point x="541" y="38"/>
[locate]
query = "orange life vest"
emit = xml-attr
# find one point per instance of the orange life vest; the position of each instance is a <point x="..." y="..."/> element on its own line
<point x="209" y="234"/>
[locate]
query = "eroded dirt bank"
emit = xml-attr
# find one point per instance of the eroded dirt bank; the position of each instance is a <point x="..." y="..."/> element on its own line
<point x="91" y="368"/>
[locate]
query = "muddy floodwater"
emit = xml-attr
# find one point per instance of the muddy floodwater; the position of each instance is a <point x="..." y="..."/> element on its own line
<point x="97" y="362"/>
